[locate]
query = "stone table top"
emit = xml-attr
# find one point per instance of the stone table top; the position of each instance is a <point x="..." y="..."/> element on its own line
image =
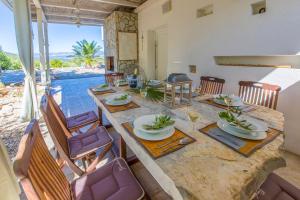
<point x="205" y="169"/>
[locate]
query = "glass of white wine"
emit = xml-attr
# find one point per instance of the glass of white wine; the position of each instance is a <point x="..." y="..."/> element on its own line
<point x="193" y="117"/>
<point x="143" y="92"/>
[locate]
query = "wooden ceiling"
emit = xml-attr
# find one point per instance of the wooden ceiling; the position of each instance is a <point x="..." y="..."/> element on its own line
<point x="80" y="12"/>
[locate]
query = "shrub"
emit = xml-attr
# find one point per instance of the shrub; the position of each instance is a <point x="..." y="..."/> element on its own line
<point x="5" y="61"/>
<point x="37" y="64"/>
<point x="56" y="63"/>
<point x="16" y="64"/>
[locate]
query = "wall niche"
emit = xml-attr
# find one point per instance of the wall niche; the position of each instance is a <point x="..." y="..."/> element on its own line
<point x="205" y="11"/>
<point x="259" y="7"/>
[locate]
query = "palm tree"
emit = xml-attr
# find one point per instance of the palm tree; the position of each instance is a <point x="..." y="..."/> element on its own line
<point x="85" y="52"/>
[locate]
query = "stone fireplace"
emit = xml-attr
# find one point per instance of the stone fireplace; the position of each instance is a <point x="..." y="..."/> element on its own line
<point x="119" y="22"/>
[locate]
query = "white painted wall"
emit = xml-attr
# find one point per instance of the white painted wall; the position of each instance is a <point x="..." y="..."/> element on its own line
<point x="231" y="30"/>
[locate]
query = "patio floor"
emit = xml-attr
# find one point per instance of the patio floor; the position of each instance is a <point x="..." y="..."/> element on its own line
<point x="72" y="96"/>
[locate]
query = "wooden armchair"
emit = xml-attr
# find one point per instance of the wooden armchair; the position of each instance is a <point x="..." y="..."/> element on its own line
<point x="211" y="85"/>
<point x="74" y="123"/>
<point x="259" y="93"/>
<point x="41" y="177"/>
<point x="80" y="147"/>
<point x="110" y="78"/>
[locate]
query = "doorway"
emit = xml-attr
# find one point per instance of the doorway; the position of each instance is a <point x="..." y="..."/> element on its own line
<point x="161" y="53"/>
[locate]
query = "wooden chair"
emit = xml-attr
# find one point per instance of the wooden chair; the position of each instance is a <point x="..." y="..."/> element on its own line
<point x="276" y="188"/>
<point x="259" y="93"/>
<point x="79" y="147"/>
<point x="110" y="78"/>
<point x="211" y="85"/>
<point x="74" y="123"/>
<point x="41" y="178"/>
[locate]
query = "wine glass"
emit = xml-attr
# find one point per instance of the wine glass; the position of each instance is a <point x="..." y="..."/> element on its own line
<point x="193" y="116"/>
<point x="143" y="92"/>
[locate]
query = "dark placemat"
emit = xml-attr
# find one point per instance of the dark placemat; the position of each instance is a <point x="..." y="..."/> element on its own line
<point x="245" y="108"/>
<point x="102" y="92"/>
<point x="114" y="109"/>
<point x="243" y="146"/>
<point x="152" y="146"/>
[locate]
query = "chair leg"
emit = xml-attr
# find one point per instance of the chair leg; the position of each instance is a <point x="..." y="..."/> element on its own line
<point x="100" y="116"/>
<point x="83" y="163"/>
<point x="93" y="165"/>
<point x="122" y="148"/>
<point x="59" y="161"/>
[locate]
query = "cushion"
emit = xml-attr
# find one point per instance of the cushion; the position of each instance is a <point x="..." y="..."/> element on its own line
<point x="81" y="119"/>
<point x="113" y="181"/>
<point x="276" y="188"/>
<point x="88" y="142"/>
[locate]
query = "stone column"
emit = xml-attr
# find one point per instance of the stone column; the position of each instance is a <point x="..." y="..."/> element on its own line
<point x="41" y="45"/>
<point x="48" y="78"/>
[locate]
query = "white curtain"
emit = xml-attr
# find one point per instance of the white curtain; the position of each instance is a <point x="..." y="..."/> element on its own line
<point x="23" y="29"/>
<point x="9" y="188"/>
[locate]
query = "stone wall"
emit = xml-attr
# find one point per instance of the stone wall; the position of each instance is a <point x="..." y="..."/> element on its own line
<point x="119" y="21"/>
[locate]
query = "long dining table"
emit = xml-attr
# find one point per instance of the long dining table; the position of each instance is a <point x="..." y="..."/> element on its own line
<point x="205" y="169"/>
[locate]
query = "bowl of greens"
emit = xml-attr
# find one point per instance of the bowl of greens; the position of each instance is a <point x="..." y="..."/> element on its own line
<point x="121" y="82"/>
<point x="118" y="99"/>
<point x="154" y="124"/>
<point x="226" y="100"/>
<point x="102" y="87"/>
<point x="242" y="124"/>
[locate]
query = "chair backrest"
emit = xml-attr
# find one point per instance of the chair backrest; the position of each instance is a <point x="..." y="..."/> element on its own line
<point x="211" y="85"/>
<point x="59" y="112"/>
<point x="58" y="132"/>
<point x="112" y="77"/>
<point x="40" y="176"/>
<point x="259" y="93"/>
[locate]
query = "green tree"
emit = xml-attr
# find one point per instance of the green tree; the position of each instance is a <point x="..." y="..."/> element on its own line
<point x="16" y="64"/>
<point x="85" y="52"/>
<point x="56" y="63"/>
<point x="5" y="61"/>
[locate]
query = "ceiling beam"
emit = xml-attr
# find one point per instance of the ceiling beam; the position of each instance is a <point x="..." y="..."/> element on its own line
<point x="119" y="3"/>
<point x="81" y="16"/>
<point x="74" y="22"/>
<point x="37" y="4"/>
<point x="58" y="19"/>
<point x="8" y="4"/>
<point x="73" y="7"/>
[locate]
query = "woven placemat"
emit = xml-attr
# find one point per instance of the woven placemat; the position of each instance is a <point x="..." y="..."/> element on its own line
<point x="102" y="92"/>
<point x="246" y="108"/>
<point x="114" y="109"/>
<point x="169" y="145"/>
<point x="243" y="146"/>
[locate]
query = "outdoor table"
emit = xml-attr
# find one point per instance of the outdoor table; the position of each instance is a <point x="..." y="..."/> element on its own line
<point x="205" y="169"/>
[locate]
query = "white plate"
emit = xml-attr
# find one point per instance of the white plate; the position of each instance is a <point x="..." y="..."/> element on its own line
<point x="149" y="119"/>
<point x="110" y="100"/>
<point x="252" y="136"/>
<point x="236" y="101"/>
<point x="154" y="82"/>
<point x="121" y="82"/>
<point x="258" y="126"/>
<point x="154" y="137"/>
<point x="99" y="89"/>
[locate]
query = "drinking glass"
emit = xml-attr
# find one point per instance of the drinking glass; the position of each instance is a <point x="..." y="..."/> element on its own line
<point x="143" y="92"/>
<point x="193" y="116"/>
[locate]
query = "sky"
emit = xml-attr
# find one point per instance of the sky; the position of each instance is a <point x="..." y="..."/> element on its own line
<point x="61" y="36"/>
